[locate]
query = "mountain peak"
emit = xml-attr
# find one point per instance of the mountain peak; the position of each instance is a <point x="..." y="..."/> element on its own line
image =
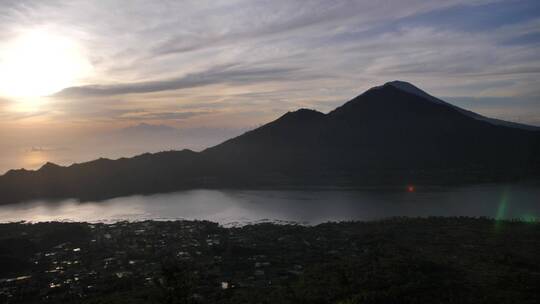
<point x="405" y="86"/>
<point x="49" y="166"/>
<point x="409" y="88"/>
<point x="305" y="111"/>
<point x="302" y="114"/>
<point x="400" y="83"/>
<point x="412" y="89"/>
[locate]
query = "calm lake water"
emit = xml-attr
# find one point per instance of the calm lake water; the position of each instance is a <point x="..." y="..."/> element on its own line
<point x="233" y="207"/>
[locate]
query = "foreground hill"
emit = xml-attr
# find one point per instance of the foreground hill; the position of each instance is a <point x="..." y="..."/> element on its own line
<point x="391" y="135"/>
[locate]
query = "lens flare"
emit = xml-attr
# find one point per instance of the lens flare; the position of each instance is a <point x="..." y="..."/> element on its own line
<point x="503" y="207"/>
<point x="502" y="210"/>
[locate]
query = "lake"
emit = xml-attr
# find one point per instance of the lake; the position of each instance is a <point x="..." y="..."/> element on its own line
<point x="237" y="207"/>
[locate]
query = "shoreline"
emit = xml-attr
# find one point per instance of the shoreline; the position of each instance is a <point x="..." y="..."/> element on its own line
<point x="237" y="224"/>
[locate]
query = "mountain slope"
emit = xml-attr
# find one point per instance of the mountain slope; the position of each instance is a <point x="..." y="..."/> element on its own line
<point x="393" y="134"/>
<point x="385" y="128"/>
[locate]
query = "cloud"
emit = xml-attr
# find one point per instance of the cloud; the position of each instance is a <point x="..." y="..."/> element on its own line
<point x="271" y="18"/>
<point x="145" y="116"/>
<point x="7" y="114"/>
<point x="217" y="75"/>
<point x="173" y="59"/>
<point x="3" y="102"/>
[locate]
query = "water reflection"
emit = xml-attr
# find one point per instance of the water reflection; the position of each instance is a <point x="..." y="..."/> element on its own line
<point x="311" y="206"/>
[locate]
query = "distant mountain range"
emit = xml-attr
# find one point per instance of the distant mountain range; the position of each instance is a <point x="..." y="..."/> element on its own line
<point x="391" y="136"/>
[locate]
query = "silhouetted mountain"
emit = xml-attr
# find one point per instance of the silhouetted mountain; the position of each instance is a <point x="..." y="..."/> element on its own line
<point x="391" y="135"/>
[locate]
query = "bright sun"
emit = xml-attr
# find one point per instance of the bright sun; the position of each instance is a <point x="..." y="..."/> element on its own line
<point x="40" y="63"/>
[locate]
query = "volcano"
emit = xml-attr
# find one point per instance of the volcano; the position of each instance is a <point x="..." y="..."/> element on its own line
<point x="392" y="135"/>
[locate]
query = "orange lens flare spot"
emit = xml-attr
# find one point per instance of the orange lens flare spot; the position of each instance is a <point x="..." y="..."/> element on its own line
<point x="410" y="189"/>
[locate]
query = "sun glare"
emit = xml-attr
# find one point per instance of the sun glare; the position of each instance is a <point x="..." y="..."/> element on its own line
<point x="40" y="63"/>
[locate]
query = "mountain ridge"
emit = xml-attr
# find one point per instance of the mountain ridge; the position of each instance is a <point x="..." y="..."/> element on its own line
<point x="394" y="134"/>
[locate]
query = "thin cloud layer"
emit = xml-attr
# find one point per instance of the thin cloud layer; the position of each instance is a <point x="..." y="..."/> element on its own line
<point x="217" y="75"/>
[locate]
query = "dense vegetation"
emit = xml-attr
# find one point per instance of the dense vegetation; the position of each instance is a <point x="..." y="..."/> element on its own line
<point x="401" y="260"/>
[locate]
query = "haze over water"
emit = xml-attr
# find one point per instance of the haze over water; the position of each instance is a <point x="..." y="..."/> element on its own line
<point x="231" y="207"/>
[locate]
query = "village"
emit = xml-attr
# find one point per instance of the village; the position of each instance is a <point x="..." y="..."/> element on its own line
<point x="200" y="261"/>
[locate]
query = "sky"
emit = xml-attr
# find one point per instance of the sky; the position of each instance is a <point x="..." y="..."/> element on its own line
<point x="84" y="79"/>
